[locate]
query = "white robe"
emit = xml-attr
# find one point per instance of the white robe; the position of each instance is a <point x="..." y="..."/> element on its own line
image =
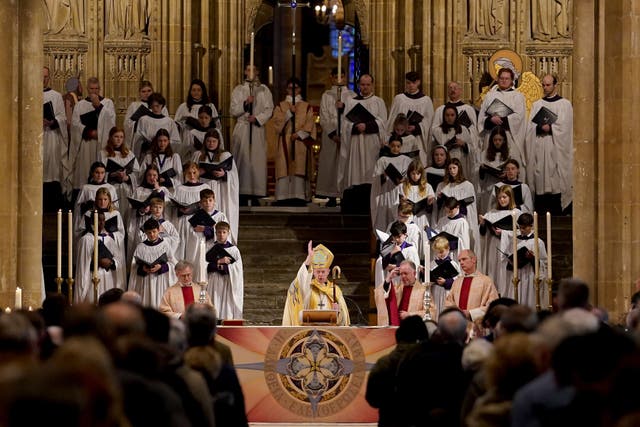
<point x="526" y="274"/>
<point x="251" y="155"/>
<point x="410" y="253"/>
<point x="413" y="194"/>
<point x="82" y="153"/>
<point x="359" y="153"/>
<point x="527" y="199"/>
<point x="438" y="292"/>
<point x="129" y="125"/>
<point x="385" y="197"/>
<point x="168" y="233"/>
<point x="227" y="191"/>
<point x="468" y="160"/>
<point x="148" y="127"/>
<point x="152" y="287"/>
<point x="123" y="189"/>
<point x="83" y="289"/>
<point x="88" y="193"/>
<point x="414" y="235"/>
<point x="494" y="262"/>
<point x="227" y="290"/>
<point x="134" y="225"/>
<point x="327" y="184"/>
<point x="517" y="123"/>
<point x="174" y="162"/>
<point x="462" y="191"/>
<point x="458" y="227"/>
<point x="423" y="105"/>
<point x="54" y="143"/>
<point x="192" y="239"/>
<point x="185" y="195"/>
<point x="182" y="113"/>
<point x="550" y="157"/>
<point x="487" y="184"/>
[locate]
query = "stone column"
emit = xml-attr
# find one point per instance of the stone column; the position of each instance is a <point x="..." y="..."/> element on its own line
<point x="21" y="210"/>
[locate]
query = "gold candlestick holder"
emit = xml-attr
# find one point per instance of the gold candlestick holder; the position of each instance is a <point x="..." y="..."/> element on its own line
<point x="70" y="288"/>
<point x="549" y="288"/>
<point x="537" y="283"/>
<point x="59" y="281"/>
<point x="96" y="282"/>
<point x="515" y="282"/>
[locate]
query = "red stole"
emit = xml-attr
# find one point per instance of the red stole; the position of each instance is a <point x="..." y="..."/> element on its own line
<point x="187" y="295"/>
<point x="406" y="296"/>
<point x="464" y="292"/>
<point x="392" y="307"/>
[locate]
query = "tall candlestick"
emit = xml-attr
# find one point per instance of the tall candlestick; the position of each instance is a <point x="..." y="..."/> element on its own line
<point x="95" y="243"/>
<point x="515" y="247"/>
<point x="203" y="262"/>
<point x="340" y="58"/>
<point x="70" y="239"/>
<point x="59" y="246"/>
<point x="536" y="249"/>
<point x="18" y="300"/>
<point x="270" y="75"/>
<point x="427" y="259"/>
<point x="549" y="271"/>
<point x="251" y="46"/>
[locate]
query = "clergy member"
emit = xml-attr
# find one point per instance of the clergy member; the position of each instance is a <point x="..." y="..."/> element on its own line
<point x="330" y="108"/>
<point x="93" y="118"/>
<point x="293" y="155"/>
<point x="472" y="291"/>
<point x="395" y="302"/>
<point x="252" y="106"/>
<point x="311" y="289"/>
<point x="363" y="134"/>
<point x="550" y="150"/>
<point x="178" y="297"/>
<point x="410" y="102"/>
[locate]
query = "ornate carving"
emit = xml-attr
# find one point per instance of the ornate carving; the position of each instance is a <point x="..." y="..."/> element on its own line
<point x="363" y="17"/>
<point x="551" y="19"/>
<point x="251" y="18"/>
<point x="488" y="19"/>
<point x="126" y="20"/>
<point x="64" y="17"/>
<point x="127" y="61"/>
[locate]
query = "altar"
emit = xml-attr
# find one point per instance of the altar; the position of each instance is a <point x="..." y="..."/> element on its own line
<point x="306" y="374"/>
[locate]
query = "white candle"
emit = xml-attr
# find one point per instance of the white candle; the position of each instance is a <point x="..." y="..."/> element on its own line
<point x="549" y="271"/>
<point x="515" y="246"/>
<point x="427" y="259"/>
<point x="7" y="310"/>
<point x="203" y="261"/>
<point x="251" y="46"/>
<point x="18" y="300"/>
<point x="340" y="58"/>
<point x="59" y="246"/>
<point x="536" y="249"/>
<point x="70" y="239"/>
<point x="95" y="243"/>
<point x="270" y="75"/>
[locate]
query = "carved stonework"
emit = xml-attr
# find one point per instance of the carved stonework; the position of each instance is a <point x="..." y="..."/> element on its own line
<point x="551" y="19"/>
<point x="64" y="17"/>
<point x="253" y="7"/>
<point x="65" y="59"/>
<point x="125" y="20"/>
<point x="363" y="17"/>
<point x="126" y="61"/>
<point x="488" y="19"/>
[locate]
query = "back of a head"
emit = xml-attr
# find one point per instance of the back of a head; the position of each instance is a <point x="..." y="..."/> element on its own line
<point x="518" y="318"/>
<point x="53" y="308"/>
<point x="109" y="296"/>
<point x="157" y="325"/>
<point x="411" y="330"/>
<point x="17" y="335"/>
<point x="512" y="364"/>
<point x="121" y="318"/>
<point x="201" y="324"/>
<point x="573" y="293"/>
<point x="452" y="326"/>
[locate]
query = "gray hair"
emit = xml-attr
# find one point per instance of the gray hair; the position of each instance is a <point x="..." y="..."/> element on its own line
<point x="182" y="264"/>
<point x="452" y="326"/>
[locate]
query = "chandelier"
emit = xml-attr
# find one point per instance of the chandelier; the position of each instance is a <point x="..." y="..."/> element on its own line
<point x="330" y="10"/>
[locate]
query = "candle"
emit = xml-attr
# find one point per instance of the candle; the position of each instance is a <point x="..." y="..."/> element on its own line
<point x="251" y="46"/>
<point x="515" y="247"/>
<point x="203" y="262"/>
<point x="17" y="305"/>
<point x="7" y="310"/>
<point x="270" y="75"/>
<point x="59" y="246"/>
<point x="95" y="243"/>
<point x="536" y="249"/>
<point x="427" y="259"/>
<point x="70" y="239"/>
<point x="340" y="58"/>
<point x="549" y="272"/>
<point x="30" y="308"/>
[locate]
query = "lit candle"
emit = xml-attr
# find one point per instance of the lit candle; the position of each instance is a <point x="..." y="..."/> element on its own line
<point x="427" y="259"/>
<point x="17" y="305"/>
<point x="30" y="308"/>
<point x="70" y="238"/>
<point x="549" y="272"/>
<point x="59" y="246"/>
<point x="95" y="243"/>
<point x="340" y="58"/>
<point x="270" y="75"/>
<point x="515" y="246"/>
<point x="203" y="262"/>
<point x="251" y="46"/>
<point x="7" y="310"/>
<point x="536" y="249"/>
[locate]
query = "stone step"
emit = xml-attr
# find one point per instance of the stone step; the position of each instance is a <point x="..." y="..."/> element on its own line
<point x="327" y="234"/>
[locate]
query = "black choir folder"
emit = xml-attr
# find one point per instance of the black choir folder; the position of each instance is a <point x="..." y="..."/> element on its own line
<point x="393" y="174"/>
<point x="90" y="119"/>
<point x="218" y="252"/>
<point x="446" y="270"/>
<point x="112" y="166"/>
<point x="141" y="111"/>
<point x="504" y="223"/>
<point x="464" y="119"/>
<point x="414" y="117"/>
<point x="162" y="259"/>
<point x="420" y="206"/>
<point x="209" y="168"/>
<point x="524" y="258"/>
<point x="110" y="225"/>
<point x="517" y="192"/>
<point x="47" y="111"/>
<point x="486" y="169"/>
<point x="544" y="116"/>
<point x="359" y="114"/>
<point x="499" y="108"/>
<point x="201" y="217"/>
<point x="319" y="317"/>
